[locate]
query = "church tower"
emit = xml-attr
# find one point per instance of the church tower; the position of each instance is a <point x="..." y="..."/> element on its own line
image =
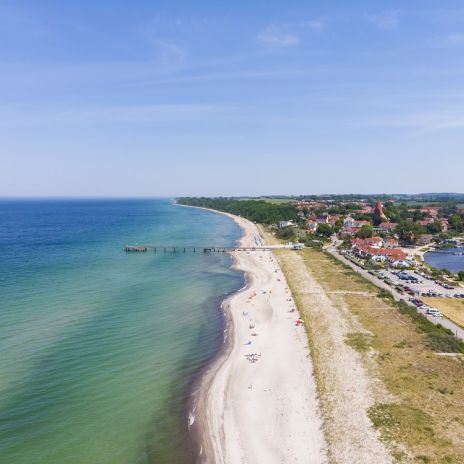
<point x="379" y="215"/>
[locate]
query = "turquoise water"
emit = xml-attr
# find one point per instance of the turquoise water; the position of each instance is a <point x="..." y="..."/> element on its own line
<point x="98" y="346"/>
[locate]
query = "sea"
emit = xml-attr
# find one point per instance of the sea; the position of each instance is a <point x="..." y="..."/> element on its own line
<point x="98" y="347"/>
<point x="448" y="258"/>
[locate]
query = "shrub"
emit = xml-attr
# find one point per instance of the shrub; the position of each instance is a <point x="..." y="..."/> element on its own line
<point x="439" y="338"/>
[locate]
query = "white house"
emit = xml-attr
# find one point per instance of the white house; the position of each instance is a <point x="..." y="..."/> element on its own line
<point x="311" y="226"/>
<point x="283" y="224"/>
<point x="349" y="222"/>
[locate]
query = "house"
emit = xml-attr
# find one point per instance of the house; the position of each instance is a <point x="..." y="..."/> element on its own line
<point x="425" y="239"/>
<point x="395" y="254"/>
<point x="433" y="212"/>
<point x="373" y="252"/>
<point x="364" y="210"/>
<point x="400" y="263"/>
<point x="333" y="219"/>
<point x="426" y="222"/>
<point x="283" y="224"/>
<point x="374" y="242"/>
<point x="311" y="226"/>
<point x="349" y="222"/>
<point x="362" y="223"/>
<point x="387" y="227"/>
<point x="390" y="243"/>
<point x="323" y="219"/>
<point x="349" y="231"/>
<point x="444" y="224"/>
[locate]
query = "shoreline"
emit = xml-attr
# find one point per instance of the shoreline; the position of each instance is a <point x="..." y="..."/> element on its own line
<point x="195" y="401"/>
<point x="198" y="429"/>
<point x="226" y="412"/>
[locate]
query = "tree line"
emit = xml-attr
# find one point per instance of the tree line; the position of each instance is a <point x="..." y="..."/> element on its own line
<point x="255" y="210"/>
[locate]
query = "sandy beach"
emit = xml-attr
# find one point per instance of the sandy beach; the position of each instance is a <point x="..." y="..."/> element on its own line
<point x="257" y="402"/>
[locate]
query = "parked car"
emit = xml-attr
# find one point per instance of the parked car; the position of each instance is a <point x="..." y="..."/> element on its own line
<point x="434" y="312"/>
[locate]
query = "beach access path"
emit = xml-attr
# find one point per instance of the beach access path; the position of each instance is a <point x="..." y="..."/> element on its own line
<point x="260" y="403"/>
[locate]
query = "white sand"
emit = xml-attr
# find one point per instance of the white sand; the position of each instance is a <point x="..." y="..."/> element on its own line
<point x="350" y="381"/>
<point x="261" y="412"/>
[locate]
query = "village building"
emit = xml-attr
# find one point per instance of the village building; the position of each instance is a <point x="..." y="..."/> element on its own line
<point x="425" y="239"/>
<point x="323" y="219"/>
<point x="430" y="211"/>
<point x="386" y="227"/>
<point x="364" y="210"/>
<point x="444" y="224"/>
<point x="378" y="214"/>
<point x="311" y="227"/>
<point x="374" y="242"/>
<point x="348" y="222"/>
<point x="333" y="219"/>
<point x="359" y="224"/>
<point x="390" y="255"/>
<point x="426" y="222"/>
<point x="390" y="243"/>
<point x="349" y="231"/>
<point x="283" y="224"/>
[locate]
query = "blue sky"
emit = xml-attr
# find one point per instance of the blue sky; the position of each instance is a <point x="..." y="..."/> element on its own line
<point x="154" y="98"/>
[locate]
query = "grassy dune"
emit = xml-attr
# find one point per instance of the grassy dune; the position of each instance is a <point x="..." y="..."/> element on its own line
<point x="450" y="307"/>
<point x="422" y="416"/>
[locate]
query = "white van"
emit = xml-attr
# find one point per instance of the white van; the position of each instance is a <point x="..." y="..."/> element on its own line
<point x="434" y="312"/>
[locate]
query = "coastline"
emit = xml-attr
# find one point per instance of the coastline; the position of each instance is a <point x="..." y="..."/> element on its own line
<point x="197" y="429"/>
<point x="200" y="444"/>
<point x="265" y="410"/>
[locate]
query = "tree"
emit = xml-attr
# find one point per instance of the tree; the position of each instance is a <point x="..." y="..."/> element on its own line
<point x="455" y="222"/>
<point x="461" y="275"/>
<point x="366" y="231"/>
<point x="444" y="236"/>
<point x="362" y="217"/>
<point x="409" y="232"/>
<point x="434" y="228"/>
<point x="324" y="230"/>
<point x="417" y="215"/>
<point x="286" y="233"/>
<point x="255" y="210"/>
<point x="347" y="242"/>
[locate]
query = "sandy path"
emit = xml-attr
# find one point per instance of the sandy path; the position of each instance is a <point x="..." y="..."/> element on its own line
<point x="264" y="411"/>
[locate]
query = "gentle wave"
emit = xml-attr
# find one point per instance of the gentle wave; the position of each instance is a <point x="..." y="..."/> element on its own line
<point x="98" y="347"/>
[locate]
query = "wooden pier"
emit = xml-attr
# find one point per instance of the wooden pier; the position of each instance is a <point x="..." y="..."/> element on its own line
<point x="135" y="248"/>
<point x="196" y="249"/>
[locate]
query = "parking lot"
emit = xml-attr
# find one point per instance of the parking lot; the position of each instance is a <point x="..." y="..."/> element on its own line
<point x="416" y="284"/>
<point x="388" y="283"/>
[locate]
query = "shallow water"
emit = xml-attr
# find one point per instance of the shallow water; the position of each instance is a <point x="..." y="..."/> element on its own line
<point x="98" y="346"/>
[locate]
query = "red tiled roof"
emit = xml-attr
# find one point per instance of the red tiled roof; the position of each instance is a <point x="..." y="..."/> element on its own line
<point x="388" y="225"/>
<point x="393" y="254"/>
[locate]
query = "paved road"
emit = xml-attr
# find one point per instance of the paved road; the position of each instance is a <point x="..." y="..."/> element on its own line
<point x="458" y="331"/>
<point x="425" y="286"/>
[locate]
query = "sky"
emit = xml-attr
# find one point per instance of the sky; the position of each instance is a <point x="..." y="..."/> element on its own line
<point x="167" y="98"/>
